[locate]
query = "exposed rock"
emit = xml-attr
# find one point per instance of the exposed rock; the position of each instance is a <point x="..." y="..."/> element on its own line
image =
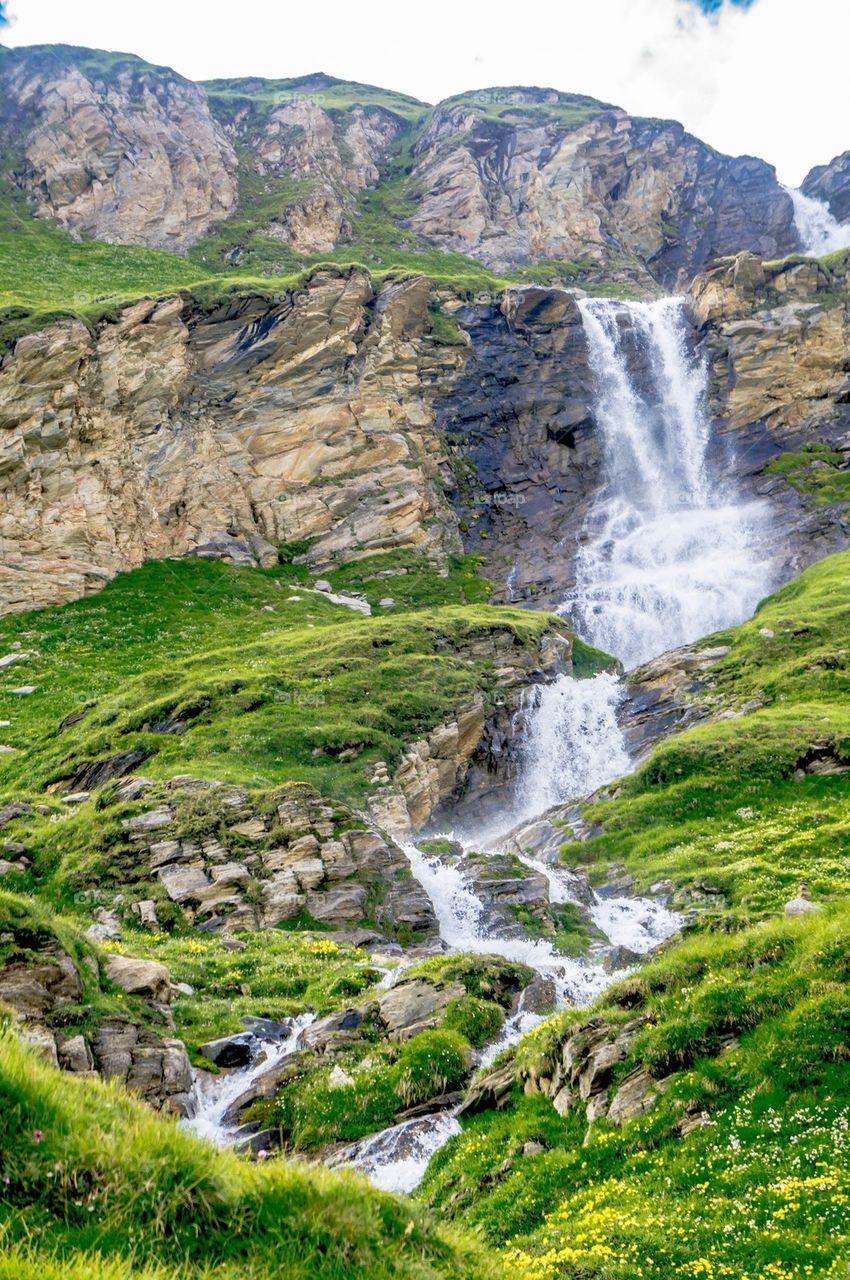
<point x="636" y="1095"/>
<point x="126" y="153"/>
<point x="619" y="957"/>
<point x="413" y="1006"/>
<point x="34" y="988"/>
<point x="264" y="421"/>
<point x="74" y="1055"/>
<point x="777" y="346"/>
<point x="145" y="978"/>
<point x="231" y="1051"/>
<point x="530" y="186"/>
<point x="329" y="159"/>
<point x="155" y="1068"/>
<point x="489" y="1091"/>
<point x="831" y="183"/>
<point x="315" y="858"/>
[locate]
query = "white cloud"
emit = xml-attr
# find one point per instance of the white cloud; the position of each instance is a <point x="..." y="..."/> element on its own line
<point x="762" y="81"/>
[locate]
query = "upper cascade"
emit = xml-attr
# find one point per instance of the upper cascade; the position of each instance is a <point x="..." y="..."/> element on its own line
<point x="671" y="553"/>
<point x="819" y="231"/>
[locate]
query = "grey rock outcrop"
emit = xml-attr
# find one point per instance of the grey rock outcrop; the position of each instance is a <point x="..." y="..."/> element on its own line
<point x="116" y="149"/>
<point x="831" y="183"/>
<point x="521" y="175"/>
<point x="264" y="421"/>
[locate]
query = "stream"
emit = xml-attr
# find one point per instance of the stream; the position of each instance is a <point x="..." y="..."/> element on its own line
<point x="671" y="552"/>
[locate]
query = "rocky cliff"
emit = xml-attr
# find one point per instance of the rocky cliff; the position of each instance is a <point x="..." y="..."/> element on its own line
<point x="831" y="183"/>
<point x="354" y="418"/>
<point x="119" y="150"/>
<point x="514" y="176"/>
<point x="778" y="336"/>
<point x="115" y="149"/>
<point x="264" y="420"/>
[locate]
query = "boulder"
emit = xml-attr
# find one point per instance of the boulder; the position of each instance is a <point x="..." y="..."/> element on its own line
<point x="231" y="1051"/>
<point x="145" y="978"/>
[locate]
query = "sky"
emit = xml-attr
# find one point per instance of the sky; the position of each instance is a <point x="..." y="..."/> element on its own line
<point x="757" y="77"/>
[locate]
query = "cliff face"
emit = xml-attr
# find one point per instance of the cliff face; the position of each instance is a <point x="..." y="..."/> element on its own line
<point x="539" y="175"/>
<point x="831" y="183"/>
<point x="778" y="338"/>
<point x="116" y="150"/>
<point x="305" y="417"/>
<point x="341" y="416"/>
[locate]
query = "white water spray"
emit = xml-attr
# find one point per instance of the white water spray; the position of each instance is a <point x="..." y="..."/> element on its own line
<point x="670" y="555"/>
<point x="574" y="744"/>
<point x="213" y="1096"/>
<point x="819" y="232"/>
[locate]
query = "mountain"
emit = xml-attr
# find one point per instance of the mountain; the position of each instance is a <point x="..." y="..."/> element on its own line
<point x="424" y="688"/>
<point x="261" y="173"/>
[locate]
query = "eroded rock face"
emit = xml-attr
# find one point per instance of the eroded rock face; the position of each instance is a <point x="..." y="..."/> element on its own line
<point x="519" y="422"/>
<point x="174" y="432"/>
<point x="126" y="153"/>
<point x="466" y="765"/>
<point x="831" y="183"/>
<point x="296" y="856"/>
<point x="509" y="185"/>
<point x="42" y="987"/>
<point x="331" y="160"/>
<point x="156" y="1069"/>
<point x="778" y="338"/>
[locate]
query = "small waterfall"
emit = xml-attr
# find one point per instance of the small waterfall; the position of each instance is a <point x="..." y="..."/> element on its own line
<point x="213" y="1096"/>
<point x="818" y="231"/>
<point x="574" y="744"/>
<point x="670" y="554"/>
<point x="463" y="927"/>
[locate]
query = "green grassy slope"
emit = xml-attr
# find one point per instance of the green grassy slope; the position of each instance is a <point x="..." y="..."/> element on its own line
<point x="746" y="1023"/>
<point x="721" y="806"/>
<point x="272" y="684"/>
<point x="93" y="1184"/>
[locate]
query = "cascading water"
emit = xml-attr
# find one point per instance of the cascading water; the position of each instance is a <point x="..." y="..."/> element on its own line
<point x="213" y="1096"/>
<point x="819" y="232"/>
<point x="573" y="745"/>
<point x="670" y="555"/>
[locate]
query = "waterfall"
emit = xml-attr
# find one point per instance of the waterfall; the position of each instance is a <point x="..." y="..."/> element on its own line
<point x="818" y="231"/>
<point x="574" y="744"/>
<point x="213" y="1096"/>
<point x="670" y="552"/>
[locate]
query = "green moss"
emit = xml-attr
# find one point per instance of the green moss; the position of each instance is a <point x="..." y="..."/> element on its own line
<point x="817" y="471"/>
<point x="475" y="1020"/>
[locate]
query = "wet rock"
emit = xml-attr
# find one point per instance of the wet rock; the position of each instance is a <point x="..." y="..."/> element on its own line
<point x="540" y="996"/>
<point x="266" y="1028"/>
<point x="231" y="1051"/>
<point x="489" y="1091"/>
<point x="619" y="957"/>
